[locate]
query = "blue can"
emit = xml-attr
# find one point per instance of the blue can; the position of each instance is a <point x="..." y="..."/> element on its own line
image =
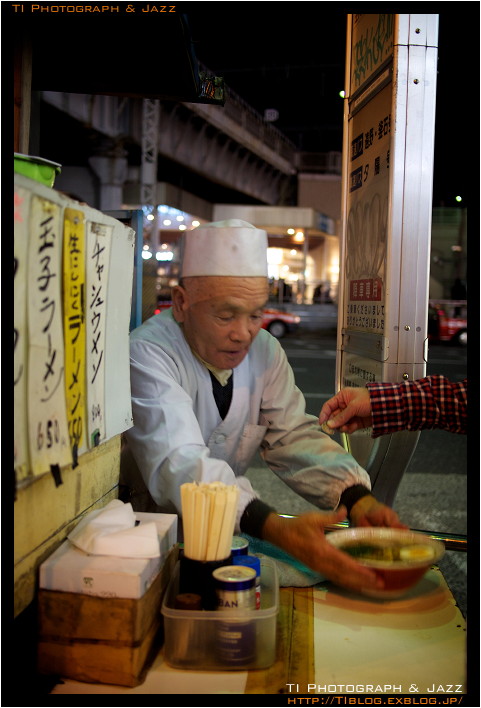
<point x="240" y="546"/>
<point x="251" y="562"/>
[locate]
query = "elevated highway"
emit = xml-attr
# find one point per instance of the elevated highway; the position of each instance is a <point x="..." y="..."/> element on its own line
<point x="231" y="146"/>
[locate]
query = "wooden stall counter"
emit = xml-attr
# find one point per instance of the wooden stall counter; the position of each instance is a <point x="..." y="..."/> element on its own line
<point x="331" y="641"/>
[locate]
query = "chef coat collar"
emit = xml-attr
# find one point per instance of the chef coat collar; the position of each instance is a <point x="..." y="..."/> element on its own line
<point x="222" y="375"/>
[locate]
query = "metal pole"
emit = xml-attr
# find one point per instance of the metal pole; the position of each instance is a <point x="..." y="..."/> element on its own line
<point x="148" y="174"/>
<point x="305" y="251"/>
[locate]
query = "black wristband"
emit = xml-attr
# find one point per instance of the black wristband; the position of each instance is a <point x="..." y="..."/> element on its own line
<point x="352" y="494"/>
<point x="254" y="516"/>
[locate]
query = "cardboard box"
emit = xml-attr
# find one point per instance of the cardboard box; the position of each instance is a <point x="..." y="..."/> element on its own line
<point x="71" y="570"/>
<point x="102" y="639"/>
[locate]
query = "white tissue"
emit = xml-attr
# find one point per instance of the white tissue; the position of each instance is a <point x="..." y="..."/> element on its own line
<point x="111" y="531"/>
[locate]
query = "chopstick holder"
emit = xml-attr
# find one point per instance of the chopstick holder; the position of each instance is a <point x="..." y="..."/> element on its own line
<point x="208" y="514"/>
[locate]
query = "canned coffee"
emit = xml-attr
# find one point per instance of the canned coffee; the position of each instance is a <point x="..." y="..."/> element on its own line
<point x="236" y="638"/>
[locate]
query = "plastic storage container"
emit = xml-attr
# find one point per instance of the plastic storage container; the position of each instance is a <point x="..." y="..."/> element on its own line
<point x="193" y="639"/>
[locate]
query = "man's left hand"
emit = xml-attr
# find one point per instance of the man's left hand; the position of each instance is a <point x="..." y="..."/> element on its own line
<point x="368" y="511"/>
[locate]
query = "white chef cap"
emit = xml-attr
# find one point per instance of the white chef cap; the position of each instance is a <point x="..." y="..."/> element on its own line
<point x="232" y="247"/>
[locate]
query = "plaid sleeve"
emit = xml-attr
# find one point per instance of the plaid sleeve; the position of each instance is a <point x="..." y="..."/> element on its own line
<point x="430" y="402"/>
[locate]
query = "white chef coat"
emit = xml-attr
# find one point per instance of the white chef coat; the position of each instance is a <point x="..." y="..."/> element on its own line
<point x="179" y="436"/>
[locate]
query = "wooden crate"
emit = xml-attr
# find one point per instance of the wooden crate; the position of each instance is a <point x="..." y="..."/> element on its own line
<point x="101" y="640"/>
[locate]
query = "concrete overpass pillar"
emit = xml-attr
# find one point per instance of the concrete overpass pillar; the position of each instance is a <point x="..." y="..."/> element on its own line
<point x="112" y="173"/>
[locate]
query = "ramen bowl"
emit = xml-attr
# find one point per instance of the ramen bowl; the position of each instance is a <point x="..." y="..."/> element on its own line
<point x="399" y="557"/>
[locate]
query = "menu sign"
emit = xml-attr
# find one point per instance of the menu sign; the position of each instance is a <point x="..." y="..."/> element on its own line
<point x="367" y="215"/>
<point x="20" y="440"/>
<point x="47" y="413"/>
<point x="99" y="237"/>
<point x="372" y="47"/>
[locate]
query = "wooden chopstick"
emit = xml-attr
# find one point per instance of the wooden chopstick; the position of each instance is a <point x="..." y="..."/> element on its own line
<point x="208" y="513"/>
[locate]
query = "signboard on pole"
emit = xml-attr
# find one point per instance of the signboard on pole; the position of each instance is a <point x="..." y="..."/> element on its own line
<point x="388" y="155"/>
<point x="367" y="219"/>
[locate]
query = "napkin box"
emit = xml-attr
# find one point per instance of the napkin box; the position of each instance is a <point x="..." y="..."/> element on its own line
<point x="110" y="640"/>
<point x="71" y="570"/>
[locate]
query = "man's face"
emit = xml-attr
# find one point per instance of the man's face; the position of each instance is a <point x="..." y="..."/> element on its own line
<point x="220" y="316"/>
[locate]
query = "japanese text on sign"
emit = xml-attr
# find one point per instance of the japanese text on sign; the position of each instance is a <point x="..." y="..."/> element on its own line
<point x="361" y="144"/>
<point x="48" y="430"/>
<point x="368" y="214"/>
<point x="74" y="326"/>
<point x="372" y="46"/>
<point x="365" y="317"/>
<point x="98" y="254"/>
<point x="20" y="441"/>
<point x="365" y="289"/>
<point x="359" y="370"/>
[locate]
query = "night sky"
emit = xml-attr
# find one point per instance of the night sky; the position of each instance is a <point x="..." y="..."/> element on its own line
<point x="291" y="57"/>
<point x="286" y="56"/>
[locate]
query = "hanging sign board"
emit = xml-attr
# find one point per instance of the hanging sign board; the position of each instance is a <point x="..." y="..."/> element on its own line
<point x="386" y="213"/>
<point x="99" y="237"/>
<point x="371" y="47"/>
<point x="73" y="271"/>
<point x="47" y="413"/>
<point x="74" y="327"/>
<point x="21" y="204"/>
<point x="367" y="220"/>
<point x="117" y="342"/>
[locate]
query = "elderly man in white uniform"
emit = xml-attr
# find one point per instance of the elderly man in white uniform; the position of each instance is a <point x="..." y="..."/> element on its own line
<point x="210" y="388"/>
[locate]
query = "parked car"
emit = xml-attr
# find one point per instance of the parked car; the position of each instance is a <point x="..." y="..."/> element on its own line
<point x="448" y="321"/>
<point x="277" y="322"/>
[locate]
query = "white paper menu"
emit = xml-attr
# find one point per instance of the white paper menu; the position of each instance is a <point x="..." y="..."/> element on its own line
<point x="99" y="237"/>
<point x="47" y="415"/>
<point x="20" y="439"/>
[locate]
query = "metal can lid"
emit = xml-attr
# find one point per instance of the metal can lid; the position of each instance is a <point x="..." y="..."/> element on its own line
<point x="248" y="561"/>
<point x="239" y="545"/>
<point x="234" y="577"/>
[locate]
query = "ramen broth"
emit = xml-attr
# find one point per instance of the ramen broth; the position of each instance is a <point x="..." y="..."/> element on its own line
<point x="388" y="553"/>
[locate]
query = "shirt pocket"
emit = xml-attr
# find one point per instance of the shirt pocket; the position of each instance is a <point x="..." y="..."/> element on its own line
<point x="249" y="443"/>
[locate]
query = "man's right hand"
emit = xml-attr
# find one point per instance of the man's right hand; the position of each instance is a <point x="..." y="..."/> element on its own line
<point x="348" y="410"/>
<point x="303" y="537"/>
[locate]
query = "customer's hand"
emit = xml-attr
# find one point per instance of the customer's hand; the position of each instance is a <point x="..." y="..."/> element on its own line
<point x="348" y="410"/>
<point x="368" y="511"/>
<point x="303" y="537"/>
